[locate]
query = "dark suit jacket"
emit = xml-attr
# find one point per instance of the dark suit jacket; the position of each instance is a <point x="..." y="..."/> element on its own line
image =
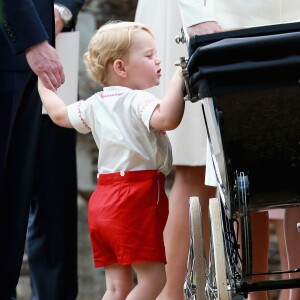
<point x="73" y="5"/>
<point x="27" y="22"/>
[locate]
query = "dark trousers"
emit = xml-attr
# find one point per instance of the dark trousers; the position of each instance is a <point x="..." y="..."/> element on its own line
<point x="52" y="230"/>
<point x="20" y="110"/>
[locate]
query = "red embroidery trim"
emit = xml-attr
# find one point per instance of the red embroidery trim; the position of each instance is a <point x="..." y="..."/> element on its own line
<point x="103" y="94"/>
<point x="144" y="107"/>
<point x="80" y="116"/>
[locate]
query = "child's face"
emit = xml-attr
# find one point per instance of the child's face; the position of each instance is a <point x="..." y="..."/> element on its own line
<point x="143" y="66"/>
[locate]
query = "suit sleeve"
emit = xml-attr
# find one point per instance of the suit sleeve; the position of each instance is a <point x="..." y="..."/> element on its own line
<point x="23" y="25"/>
<point x="1" y="12"/>
<point x="194" y="12"/>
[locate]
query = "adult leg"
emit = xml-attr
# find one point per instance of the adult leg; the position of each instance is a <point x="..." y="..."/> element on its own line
<point x="52" y="230"/>
<point x="20" y="116"/>
<point x="292" y="240"/>
<point x="151" y="278"/>
<point x="189" y="181"/>
<point x="118" y="282"/>
<point x="276" y="218"/>
<point x="260" y="250"/>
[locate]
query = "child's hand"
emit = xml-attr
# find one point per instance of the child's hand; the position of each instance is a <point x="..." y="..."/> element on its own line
<point x="180" y="74"/>
<point x="55" y="107"/>
<point x="179" y="71"/>
<point x="41" y="86"/>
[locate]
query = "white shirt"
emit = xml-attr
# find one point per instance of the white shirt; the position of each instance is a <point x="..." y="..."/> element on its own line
<point x="119" y="119"/>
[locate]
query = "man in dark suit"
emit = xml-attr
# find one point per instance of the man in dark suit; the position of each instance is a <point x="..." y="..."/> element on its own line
<point x="52" y="230"/>
<point x="25" y="49"/>
<point x="26" y="36"/>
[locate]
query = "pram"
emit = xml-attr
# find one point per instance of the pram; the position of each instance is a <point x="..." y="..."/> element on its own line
<point x="248" y="83"/>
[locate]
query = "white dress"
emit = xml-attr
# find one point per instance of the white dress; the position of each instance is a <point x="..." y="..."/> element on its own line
<point x="189" y="139"/>
<point x="163" y="18"/>
<point x="236" y="14"/>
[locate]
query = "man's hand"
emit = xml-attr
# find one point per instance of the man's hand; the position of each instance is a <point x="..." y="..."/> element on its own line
<point x="204" y="28"/>
<point x="44" y="62"/>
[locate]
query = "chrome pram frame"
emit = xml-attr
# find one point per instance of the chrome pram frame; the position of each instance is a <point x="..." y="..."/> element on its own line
<point x="244" y="157"/>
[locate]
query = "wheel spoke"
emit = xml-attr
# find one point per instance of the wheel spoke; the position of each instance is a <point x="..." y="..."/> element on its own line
<point x="196" y="270"/>
<point x="218" y="250"/>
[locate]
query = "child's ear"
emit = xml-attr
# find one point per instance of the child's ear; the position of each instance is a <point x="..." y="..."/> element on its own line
<point x="119" y="68"/>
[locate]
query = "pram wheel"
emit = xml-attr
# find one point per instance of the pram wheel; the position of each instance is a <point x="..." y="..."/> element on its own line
<point x="203" y="280"/>
<point x="194" y="287"/>
<point x="218" y="250"/>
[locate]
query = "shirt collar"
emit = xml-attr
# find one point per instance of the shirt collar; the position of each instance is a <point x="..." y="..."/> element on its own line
<point x="113" y="89"/>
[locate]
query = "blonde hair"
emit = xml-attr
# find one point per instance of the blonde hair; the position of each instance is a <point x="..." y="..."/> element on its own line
<point x="110" y="42"/>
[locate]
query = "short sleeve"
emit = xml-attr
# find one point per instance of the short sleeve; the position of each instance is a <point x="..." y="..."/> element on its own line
<point x="79" y="117"/>
<point x="144" y="104"/>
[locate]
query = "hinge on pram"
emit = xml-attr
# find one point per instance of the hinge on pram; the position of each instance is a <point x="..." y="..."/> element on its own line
<point x="183" y="64"/>
<point x="185" y="75"/>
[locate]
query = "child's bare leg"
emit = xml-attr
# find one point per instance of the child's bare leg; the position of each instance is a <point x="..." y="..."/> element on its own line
<point x="118" y="282"/>
<point x="151" y="278"/>
<point x="189" y="181"/>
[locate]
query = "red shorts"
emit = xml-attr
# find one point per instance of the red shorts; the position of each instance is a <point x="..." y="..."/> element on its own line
<point x="127" y="215"/>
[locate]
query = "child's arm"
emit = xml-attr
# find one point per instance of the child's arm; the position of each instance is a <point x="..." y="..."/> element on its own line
<point x="168" y="115"/>
<point x="55" y="107"/>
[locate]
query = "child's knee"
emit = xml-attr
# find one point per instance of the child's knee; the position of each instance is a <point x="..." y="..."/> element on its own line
<point x="163" y="280"/>
<point x="158" y="282"/>
<point x="118" y="291"/>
